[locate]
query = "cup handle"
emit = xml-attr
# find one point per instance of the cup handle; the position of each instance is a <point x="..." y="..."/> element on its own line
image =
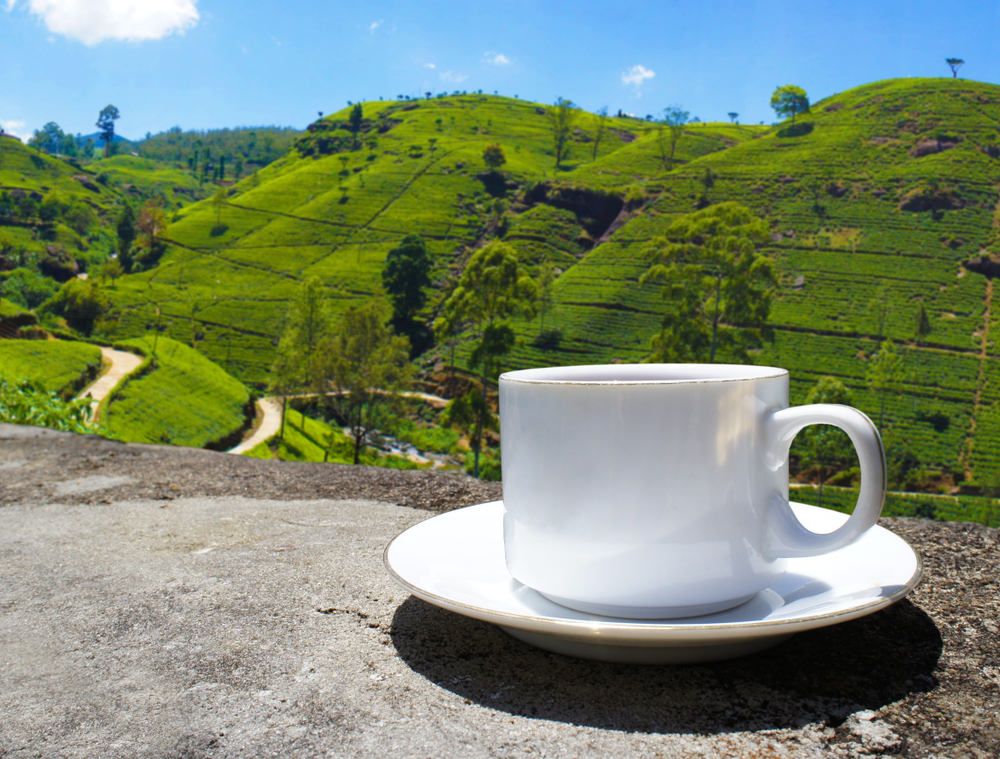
<point x="786" y="536"/>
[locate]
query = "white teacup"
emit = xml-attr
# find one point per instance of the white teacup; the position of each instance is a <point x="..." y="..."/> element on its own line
<point x="652" y="491"/>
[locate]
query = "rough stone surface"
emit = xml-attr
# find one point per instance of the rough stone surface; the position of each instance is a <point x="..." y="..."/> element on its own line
<point x="213" y="606"/>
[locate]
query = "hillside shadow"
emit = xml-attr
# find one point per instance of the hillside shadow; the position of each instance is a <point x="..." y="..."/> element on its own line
<point x="818" y="676"/>
<point x="797" y="130"/>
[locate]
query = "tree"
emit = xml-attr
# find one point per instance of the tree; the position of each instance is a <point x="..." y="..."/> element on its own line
<point x="669" y="131"/>
<point x="954" y="64"/>
<point x="789" y="101"/>
<point x="149" y="227"/>
<point x="493" y="156"/>
<point x="49" y="138"/>
<point x="106" y="123"/>
<point x="719" y="288"/>
<point x="355" y="119"/>
<point x="885" y="371"/>
<point x="733" y="116"/>
<point x="923" y="324"/>
<point x="561" y="118"/>
<point x="126" y="235"/>
<point x="879" y="310"/>
<point x="365" y="368"/>
<point x="406" y="277"/>
<point x="81" y="303"/>
<point x="218" y="202"/>
<point x="493" y="287"/>
<point x="543" y="291"/>
<point x="296" y="366"/>
<point x="112" y="269"/>
<point x="602" y="129"/>
<point x="707" y="181"/>
<point x="823" y="448"/>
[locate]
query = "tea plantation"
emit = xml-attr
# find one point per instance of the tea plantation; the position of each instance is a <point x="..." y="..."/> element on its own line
<point x="178" y="397"/>
<point x="875" y="200"/>
<point x="52" y="365"/>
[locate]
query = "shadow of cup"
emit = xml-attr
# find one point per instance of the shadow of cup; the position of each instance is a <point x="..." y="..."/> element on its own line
<point x="819" y="676"/>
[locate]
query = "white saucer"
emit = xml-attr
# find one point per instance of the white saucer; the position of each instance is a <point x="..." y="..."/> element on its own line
<point x="456" y="561"/>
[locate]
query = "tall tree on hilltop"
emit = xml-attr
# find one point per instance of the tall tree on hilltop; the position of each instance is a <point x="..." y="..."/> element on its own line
<point x="602" y="129"/>
<point x="733" y="116"/>
<point x="668" y="133"/>
<point x="789" y="101"/>
<point x="106" y="123"/>
<point x="718" y="287"/>
<point x="954" y="64"/>
<point x="364" y="369"/>
<point x="493" y="287"/>
<point x="561" y="117"/>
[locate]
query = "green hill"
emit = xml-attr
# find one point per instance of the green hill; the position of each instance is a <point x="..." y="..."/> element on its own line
<point x="881" y="193"/>
<point x="179" y="397"/>
<point x="140" y="178"/>
<point x="55" y="366"/>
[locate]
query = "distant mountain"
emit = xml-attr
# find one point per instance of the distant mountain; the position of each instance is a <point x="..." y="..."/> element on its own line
<point x="99" y="141"/>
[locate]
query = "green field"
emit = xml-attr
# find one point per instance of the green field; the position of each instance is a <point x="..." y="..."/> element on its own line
<point x="181" y="399"/>
<point x="53" y="365"/>
<point x="138" y="178"/>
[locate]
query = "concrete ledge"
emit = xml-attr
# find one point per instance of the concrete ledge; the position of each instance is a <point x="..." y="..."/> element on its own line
<point x="191" y="624"/>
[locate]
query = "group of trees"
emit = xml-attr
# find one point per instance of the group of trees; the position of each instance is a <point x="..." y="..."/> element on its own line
<point x="140" y="236"/>
<point x="355" y="366"/>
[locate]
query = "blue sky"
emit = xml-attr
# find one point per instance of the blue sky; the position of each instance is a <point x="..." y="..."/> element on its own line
<point x="216" y="63"/>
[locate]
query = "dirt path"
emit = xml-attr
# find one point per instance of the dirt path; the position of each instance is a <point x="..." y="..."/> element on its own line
<point x="271" y="422"/>
<point x="269" y="425"/>
<point x="122" y="364"/>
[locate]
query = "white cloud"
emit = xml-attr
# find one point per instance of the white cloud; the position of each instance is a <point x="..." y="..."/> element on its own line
<point x="429" y="66"/>
<point x="16" y="128"/>
<point x="93" y="21"/>
<point x="497" y="59"/>
<point x="451" y="76"/>
<point x="375" y="25"/>
<point x="636" y="75"/>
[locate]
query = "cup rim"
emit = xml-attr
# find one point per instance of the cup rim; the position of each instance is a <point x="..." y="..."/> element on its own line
<point x="632" y="374"/>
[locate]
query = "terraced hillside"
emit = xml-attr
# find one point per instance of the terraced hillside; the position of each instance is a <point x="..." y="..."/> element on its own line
<point x="177" y="396"/>
<point x="879" y="195"/>
<point x="331" y="211"/>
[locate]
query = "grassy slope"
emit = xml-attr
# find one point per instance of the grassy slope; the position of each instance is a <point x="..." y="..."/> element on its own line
<point x="846" y="250"/>
<point x="184" y="400"/>
<point x="308" y="439"/>
<point x="236" y="279"/>
<point x="24" y="169"/>
<point x="146" y="177"/>
<point x="55" y="365"/>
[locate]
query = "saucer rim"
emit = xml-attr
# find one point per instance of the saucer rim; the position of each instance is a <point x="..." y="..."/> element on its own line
<point x="638" y="630"/>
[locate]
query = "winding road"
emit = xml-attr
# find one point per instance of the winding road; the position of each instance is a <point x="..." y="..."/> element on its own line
<point x="271" y="421"/>
<point x="122" y="364"/>
<point x="269" y="425"/>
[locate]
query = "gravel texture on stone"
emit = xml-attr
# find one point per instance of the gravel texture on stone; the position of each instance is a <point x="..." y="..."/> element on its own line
<point x="204" y="605"/>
